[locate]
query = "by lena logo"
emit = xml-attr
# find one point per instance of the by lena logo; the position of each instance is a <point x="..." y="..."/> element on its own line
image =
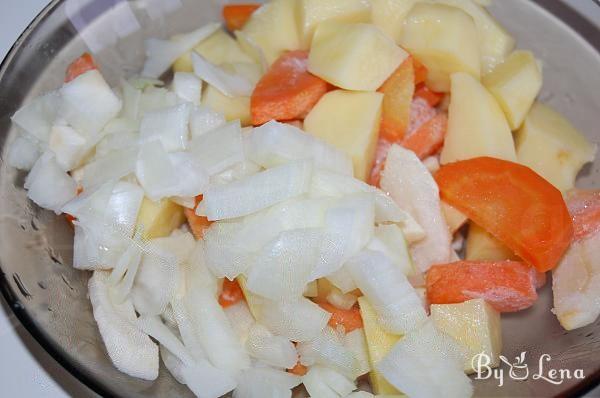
<point x="519" y="369"/>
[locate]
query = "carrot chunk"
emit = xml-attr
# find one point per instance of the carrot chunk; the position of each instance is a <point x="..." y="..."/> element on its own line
<point x="432" y="98"/>
<point x="507" y="286"/>
<point x="397" y="92"/>
<point x="420" y="71"/>
<point x="198" y="224"/>
<point x="584" y="207"/>
<point x="236" y="15"/>
<point x="514" y="204"/>
<point x="287" y="91"/>
<point x="81" y="65"/>
<point x="349" y="319"/>
<point x="429" y="138"/>
<point x="231" y="294"/>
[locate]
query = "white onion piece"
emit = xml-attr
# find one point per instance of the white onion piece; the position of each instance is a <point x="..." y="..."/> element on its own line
<point x="23" y="153"/>
<point x="219" y="149"/>
<point x="68" y="145"/>
<point x="363" y="394"/>
<point x="126" y="268"/>
<point x="131" y="100"/>
<point x="187" y="87"/>
<point x="299" y="321"/>
<point x="189" y="202"/>
<point x="256" y="192"/>
<point x="323" y="382"/>
<point x="113" y="166"/>
<point x="180" y="245"/>
<point x="223" y="257"/>
<point x="155" y="282"/>
<point x="116" y="141"/>
<point x="356" y="342"/>
<point x="185" y="325"/>
<point x="275" y="143"/>
<point x="152" y="326"/>
<point x="48" y="185"/>
<point x="156" y="98"/>
<point x="38" y="115"/>
<point x="281" y="270"/>
<point x="191" y="179"/>
<point x="173" y="364"/>
<point x="123" y="207"/>
<point x="241" y="319"/>
<point x="328" y="350"/>
<point x="236" y="173"/>
<point x="231" y="85"/>
<point x="413" y="188"/>
<point x="213" y="330"/>
<point x="85" y="249"/>
<point x="169" y="125"/>
<point x="397" y="304"/>
<point x="389" y="240"/>
<point x="341" y="300"/>
<point x="342" y="279"/>
<point x="130" y="350"/>
<point x="203" y="120"/>
<point x="265" y="382"/>
<point x="88" y="103"/>
<point x="273" y="350"/>
<point x="162" y="53"/>
<point x="198" y="276"/>
<point x="427" y="363"/>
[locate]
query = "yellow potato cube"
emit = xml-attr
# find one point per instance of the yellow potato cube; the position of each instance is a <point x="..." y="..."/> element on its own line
<point x="353" y="56"/>
<point x="313" y="12"/>
<point x="495" y="43"/>
<point x="389" y="15"/>
<point x="350" y="122"/>
<point x="481" y="246"/>
<point x="273" y="28"/>
<point x="444" y="39"/>
<point x="159" y="219"/>
<point x="379" y="343"/>
<point x="551" y="146"/>
<point x="475" y="325"/>
<point x="218" y="48"/>
<point x="233" y="108"/>
<point x="515" y="84"/>
<point x="476" y="124"/>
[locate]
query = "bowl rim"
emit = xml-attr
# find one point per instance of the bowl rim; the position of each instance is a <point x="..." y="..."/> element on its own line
<point x="580" y="24"/>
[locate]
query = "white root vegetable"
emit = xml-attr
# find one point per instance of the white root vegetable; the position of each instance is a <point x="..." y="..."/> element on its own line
<point x="68" y="146"/>
<point x="413" y="188"/>
<point x="130" y="350"/>
<point x="37" y="117"/>
<point x="48" y="185"/>
<point x="23" y="153"/>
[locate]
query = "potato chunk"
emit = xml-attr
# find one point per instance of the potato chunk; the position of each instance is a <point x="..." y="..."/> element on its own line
<point x="159" y="219"/>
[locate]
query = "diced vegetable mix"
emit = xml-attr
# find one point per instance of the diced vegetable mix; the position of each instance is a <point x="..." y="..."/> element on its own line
<point x="254" y="252"/>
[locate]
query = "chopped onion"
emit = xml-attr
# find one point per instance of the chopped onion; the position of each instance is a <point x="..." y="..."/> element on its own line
<point x="123" y="207"/>
<point x="116" y="142"/>
<point x="275" y="143"/>
<point x="224" y="258"/>
<point x="235" y="173"/>
<point x="282" y="269"/>
<point x="300" y="320"/>
<point x="37" y="117"/>
<point x="187" y="87"/>
<point x="113" y="166"/>
<point x="48" y="185"/>
<point x="389" y="240"/>
<point x="23" y="153"/>
<point x="152" y="326"/>
<point x="363" y="394"/>
<point x="169" y="125"/>
<point x="123" y="274"/>
<point x="185" y="325"/>
<point x="274" y="350"/>
<point x="203" y="120"/>
<point x="341" y="300"/>
<point x="356" y="342"/>
<point x="88" y="103"/>
<point x="190" y="176"/>
<point x="328" y="349"/>
<point x="68" y="145"/>
<point x="156" y="98"/>
<point x="427" y="363"/>
<point x="219" y="149"/>
<point x="265" y="382"/>
<point x="130" y="350"/>
<point x="241" y="319"/>
<point x="162" y="53"/>
<point x="397" y="304"/>
<point x="413" y="188"/>
<point x="256" y="192"/>
<point x="342" y="279"/>
<point x="131" y="100"/>
<point x="231" y="85"/>
<point x="323" y="382"/>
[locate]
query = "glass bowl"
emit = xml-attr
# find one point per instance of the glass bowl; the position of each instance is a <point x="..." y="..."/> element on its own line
<point x="50" y="297"/>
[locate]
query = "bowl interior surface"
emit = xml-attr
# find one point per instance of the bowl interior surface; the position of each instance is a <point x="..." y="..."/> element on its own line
<point x="50" y="297"/>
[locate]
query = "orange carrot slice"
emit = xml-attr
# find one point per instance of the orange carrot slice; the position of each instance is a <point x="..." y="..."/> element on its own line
<point x="231" y="294"/>
<point x="432" y="98"/>
<point x="429" y="138"/>
<point x="420" y="72"/>
<point x="507" y="286"/>
<point x="198" y="224"/>
<point x="349" y="319"/>
<point x="514" y="204"/>
<point x="397" y="92"/>
<point x="236" y="15"/>
<point x="584" y="207"/>
<point x="287" y="91"/>
<point x="81" y="65"/>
